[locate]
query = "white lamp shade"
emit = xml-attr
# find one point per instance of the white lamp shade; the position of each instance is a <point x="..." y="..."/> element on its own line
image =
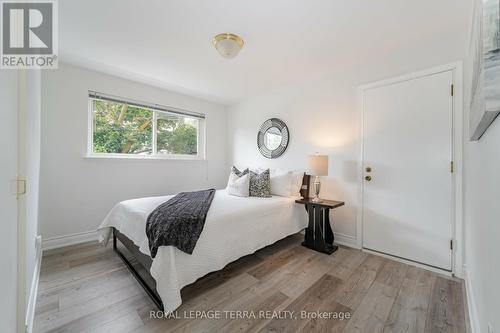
<point x="317" y="165"/>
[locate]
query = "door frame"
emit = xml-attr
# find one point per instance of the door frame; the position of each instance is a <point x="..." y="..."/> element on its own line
<point x="457" y="151"/>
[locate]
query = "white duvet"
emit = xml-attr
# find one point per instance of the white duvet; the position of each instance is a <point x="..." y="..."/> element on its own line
<point x="234" y="227"/>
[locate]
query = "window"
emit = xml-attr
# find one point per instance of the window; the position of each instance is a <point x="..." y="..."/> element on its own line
<point x="124" y="128"/>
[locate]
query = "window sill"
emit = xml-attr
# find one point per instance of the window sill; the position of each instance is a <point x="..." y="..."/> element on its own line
<point x="143" y="157"/>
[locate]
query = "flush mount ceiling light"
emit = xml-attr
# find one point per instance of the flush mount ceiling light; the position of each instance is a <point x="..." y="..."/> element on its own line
<point x="228" y="45"/>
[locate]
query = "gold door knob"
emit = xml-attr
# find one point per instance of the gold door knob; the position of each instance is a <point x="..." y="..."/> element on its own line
<point x="368" y="178"/>
<point x="368" y="169"/>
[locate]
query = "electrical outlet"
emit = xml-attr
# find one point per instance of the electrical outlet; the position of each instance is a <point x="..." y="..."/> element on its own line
<point x="490" y="329"/>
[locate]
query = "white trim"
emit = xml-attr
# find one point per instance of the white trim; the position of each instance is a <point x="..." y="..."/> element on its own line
<point x="406" y="77"/>
<point x="457" y="226"/>
<point x="409" y="262"/>
<point x="145" y="157"/>
<point x="458" y="133"/>
<point x="359" y="194"/>
<point x="346" y="240"/>
<point x="342" y="239"/>
<point x="154" y="142"/>
<point x="65" y="240"/>
<point x="30" y="312"/>
<point x="471" y="302"/>
<point x="98" y="96"/>
<point x="200" y="132"/>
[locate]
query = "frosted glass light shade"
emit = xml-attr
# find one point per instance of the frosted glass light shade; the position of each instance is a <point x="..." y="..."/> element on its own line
<point x="317" y="165"/>
<point x="228" y="45"/>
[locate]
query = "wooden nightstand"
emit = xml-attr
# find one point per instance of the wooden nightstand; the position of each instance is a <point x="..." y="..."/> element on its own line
<point x="319" y="235"/>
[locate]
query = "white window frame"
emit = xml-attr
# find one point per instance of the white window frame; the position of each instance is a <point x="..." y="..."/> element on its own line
<point x="155" y="108"/>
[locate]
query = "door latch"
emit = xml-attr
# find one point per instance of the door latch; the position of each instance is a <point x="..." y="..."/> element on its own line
<point x="18" y="187"/>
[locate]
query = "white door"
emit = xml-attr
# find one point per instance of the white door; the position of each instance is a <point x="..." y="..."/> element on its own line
<point x="407" y="143"/>
<point x="8" y="203"/>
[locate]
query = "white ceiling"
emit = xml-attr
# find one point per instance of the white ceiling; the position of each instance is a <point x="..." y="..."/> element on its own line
<point x="168" y="43"/>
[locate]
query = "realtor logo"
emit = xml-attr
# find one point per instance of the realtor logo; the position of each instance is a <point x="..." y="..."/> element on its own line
<point x="29" y="34"/>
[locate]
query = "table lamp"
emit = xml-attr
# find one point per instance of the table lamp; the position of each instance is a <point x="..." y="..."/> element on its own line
<point x="317" y="166"/>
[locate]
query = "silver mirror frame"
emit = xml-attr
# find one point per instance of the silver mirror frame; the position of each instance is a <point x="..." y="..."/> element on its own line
<point x="278" y="123"/>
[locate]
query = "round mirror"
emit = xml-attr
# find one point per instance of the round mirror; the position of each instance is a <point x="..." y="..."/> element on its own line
<point x="272" y="139"/>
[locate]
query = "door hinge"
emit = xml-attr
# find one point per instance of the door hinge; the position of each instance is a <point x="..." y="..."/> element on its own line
<point x="452" y="90"/>
<point x="451" y="244"/>
<point x="452" y="167"/>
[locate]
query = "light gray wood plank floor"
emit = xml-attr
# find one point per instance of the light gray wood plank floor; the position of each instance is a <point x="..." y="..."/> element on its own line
<point x="86" y="288"/>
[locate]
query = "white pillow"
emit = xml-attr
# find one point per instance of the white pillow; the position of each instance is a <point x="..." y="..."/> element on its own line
<point x="238" y="186"/>
<point x="297" y="177"/>
<point x="281" y="183"/>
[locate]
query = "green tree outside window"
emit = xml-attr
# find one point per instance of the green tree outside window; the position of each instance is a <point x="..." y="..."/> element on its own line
<point x="121" y="128"/>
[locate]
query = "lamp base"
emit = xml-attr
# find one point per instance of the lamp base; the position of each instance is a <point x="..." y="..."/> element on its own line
<point x="317" y="188"/>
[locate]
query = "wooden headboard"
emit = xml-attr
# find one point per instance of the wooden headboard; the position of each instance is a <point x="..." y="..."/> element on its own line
<point x="306" y="184"/>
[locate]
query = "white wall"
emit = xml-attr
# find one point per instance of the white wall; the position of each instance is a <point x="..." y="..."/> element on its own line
<point x="8" y="204"/>
<point x="322" y="116"/>
<point x="78" y="192"/>
<point x="482" y="218"/>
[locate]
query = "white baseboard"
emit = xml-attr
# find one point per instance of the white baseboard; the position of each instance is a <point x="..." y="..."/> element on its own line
<point x="471" y="302"/>
<point x="409" y="262"/>
<point x="342" y="239"/>
<point x="346" y="240"/>
<point x="30" y="311"/>
<point x="65" y="240"/>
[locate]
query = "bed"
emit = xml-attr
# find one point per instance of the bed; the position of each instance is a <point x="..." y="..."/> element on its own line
<point x="234" y="227"/>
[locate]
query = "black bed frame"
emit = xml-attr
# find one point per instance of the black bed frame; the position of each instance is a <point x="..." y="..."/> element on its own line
<point x="139" y="264"/>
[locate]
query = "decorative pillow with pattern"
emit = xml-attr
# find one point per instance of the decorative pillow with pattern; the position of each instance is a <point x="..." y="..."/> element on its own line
<point x="238" y="172"/>
<point x="260" y="184"/>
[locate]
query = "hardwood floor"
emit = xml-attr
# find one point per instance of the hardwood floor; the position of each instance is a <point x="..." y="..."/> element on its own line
<point x="86" y="288"/>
